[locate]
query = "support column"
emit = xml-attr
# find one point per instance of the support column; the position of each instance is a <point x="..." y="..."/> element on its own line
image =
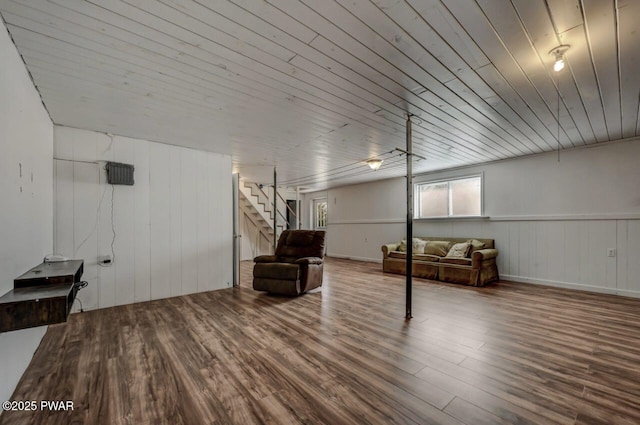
<point x="298" y="222"/>
<point x="409" y="260"/>
<point x="275" y="209"/>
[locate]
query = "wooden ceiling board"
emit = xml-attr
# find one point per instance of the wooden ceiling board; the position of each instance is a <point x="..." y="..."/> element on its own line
<point x="448" y="28"/>
<point x="331" y="49"/>
<point x="60" y="64"/>
<point x="601" y="23"/>
<point x="381" y="62"/>
<point x="229" y="67"/>
<point x="567" y="14"/>
<point x="86" y="68"/>
<point x="579" y="62"/>
<point x="474" y="20"/>
<point x="541" y="34"/>
<point x="313" y="86"/>
<point x="397" y="50"/>
<point x="472" y="88"/>
<point x="267" y="13"/>
<point x="629" y="63"/>
<point x="389" y="40"/>
<point x="497" y="127"/>
<point x="339" y="53"/>
<point x="516" y="108"/>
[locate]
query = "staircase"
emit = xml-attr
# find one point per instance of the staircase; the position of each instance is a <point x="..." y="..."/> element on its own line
<point x="256" y="206"/>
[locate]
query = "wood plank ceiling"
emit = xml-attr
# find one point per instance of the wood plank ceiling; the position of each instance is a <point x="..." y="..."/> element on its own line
<point x="318" y="86"/>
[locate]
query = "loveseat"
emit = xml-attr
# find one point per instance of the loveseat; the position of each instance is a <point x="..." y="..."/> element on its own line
<point x="433" y="259"/>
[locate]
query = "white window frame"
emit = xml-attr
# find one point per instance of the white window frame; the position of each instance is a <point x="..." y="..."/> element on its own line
<point x="417" y="200"/>
<point x="314" y="213"/>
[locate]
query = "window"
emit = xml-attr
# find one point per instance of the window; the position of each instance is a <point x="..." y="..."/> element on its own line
<point x="320" y="213"/>
<point x="460" y="197"/>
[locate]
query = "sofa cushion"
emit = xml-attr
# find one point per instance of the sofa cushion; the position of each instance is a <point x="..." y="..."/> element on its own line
<point x="459" y="250"/>
<point x="426" y="257"/>
<point x="290" y="260"/>
<point x="420" y="257"/>
<point x="454" y="260"/>
<point x="398" y="254"/>
<point x="439" y="248"/>
<point x="279" y="271"/>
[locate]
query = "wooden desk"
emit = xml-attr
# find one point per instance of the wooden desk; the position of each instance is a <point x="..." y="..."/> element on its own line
<point x="42" y="296"/>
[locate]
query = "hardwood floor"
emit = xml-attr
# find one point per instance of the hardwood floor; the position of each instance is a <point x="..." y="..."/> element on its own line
<point x="505" y="354"/>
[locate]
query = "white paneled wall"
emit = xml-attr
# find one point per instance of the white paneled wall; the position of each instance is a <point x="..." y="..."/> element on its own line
<point x="553" y="222"/>
<point x="26" y="140"/>
<point x="570" y="253"/>
<point x="169" y="234"/>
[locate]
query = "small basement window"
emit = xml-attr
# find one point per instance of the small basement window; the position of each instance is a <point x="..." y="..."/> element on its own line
<point x="460" y="197"/>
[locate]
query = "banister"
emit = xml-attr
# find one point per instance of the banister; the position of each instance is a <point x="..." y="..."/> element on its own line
<point x="287" y="205"/>
<point x="268" y="204"/>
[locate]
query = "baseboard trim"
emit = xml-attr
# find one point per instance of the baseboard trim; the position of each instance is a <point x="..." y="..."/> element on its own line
<point x="571" y="285"/>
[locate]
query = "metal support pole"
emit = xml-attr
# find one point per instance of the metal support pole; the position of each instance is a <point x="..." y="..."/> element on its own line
<point x="298" y="222"/>
<point x="409" y="262"/>
<point x="237" y="246"/>
<point x="275" y="209"/>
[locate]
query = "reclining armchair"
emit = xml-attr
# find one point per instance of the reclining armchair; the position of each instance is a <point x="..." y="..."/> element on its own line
<point x="296" y="266"/>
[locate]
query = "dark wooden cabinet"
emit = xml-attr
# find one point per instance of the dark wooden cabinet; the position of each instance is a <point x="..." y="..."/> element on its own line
<point x="51" y="274"/>
<point x="42" y="296"/>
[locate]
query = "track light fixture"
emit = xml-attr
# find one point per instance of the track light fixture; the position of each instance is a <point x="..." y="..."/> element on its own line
<point x="375" y="164"/>
<point x="558" y="52"/>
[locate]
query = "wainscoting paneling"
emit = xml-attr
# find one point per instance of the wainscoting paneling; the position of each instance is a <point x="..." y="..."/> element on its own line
<point x="172" y="227"/>
<point x="568" y="253"/>
<point x="141" y="212"/>
<point x="159" y="214"/>
<point x="362" y="241"/>
<point x="130" y="229"/>
<point x="628" y="255"/>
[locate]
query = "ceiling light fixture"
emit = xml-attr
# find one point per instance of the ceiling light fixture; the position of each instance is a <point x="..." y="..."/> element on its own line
<point x="375" y="164"/>
<point x="558" y="52"/>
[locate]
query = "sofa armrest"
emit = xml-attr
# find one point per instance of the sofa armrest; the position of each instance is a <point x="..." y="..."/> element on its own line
<point x="266" y="259"/>
<point x="386" y="249"/>
<point x="309" y="260"/>
<point x="483" y="254"/>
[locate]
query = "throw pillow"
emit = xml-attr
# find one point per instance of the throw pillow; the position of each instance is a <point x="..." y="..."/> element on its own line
<point x="439" y="248"/>
<point x="418" y="246"/>
<point x="403" y="246"/>
<point x="476" y="245"/>
<point x="459" y="250"/>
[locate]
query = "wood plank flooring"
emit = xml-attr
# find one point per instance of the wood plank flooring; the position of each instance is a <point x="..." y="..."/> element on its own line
<point x="506" y="354"/>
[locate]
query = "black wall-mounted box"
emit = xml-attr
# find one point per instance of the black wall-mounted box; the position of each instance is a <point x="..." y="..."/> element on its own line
<point x="118" y="173"/>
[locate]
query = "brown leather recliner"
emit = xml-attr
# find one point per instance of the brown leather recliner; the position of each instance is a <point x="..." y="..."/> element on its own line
<point x="295" y="268"/>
